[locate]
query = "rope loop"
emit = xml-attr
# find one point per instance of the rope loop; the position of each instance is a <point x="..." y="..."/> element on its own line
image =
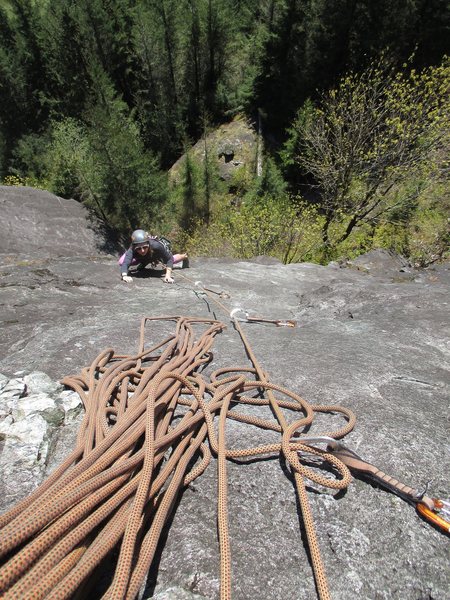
<point x="152" y="422"/>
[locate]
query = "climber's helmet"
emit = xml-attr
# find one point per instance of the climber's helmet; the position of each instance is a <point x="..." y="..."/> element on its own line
<point x="139" y="239"/>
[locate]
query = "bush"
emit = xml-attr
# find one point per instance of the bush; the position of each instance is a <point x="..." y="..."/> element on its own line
<point x="24" y="181"/>
<point x="419" y="230"/>
<point x="72" y="169"/>
<point x="429" y="227"/>
<point x="282" y="229"/>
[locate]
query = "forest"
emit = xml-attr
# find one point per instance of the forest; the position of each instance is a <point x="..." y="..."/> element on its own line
<point x="99" y="98"/>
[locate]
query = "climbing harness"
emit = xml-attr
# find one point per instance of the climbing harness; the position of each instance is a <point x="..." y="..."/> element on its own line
<point x="434" y="510"/>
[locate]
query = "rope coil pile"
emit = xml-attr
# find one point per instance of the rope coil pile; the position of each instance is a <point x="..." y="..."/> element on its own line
<point x="151" y="423"/>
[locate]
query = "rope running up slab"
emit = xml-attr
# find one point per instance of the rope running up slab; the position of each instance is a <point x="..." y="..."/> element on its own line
<point x="151" y="422"/>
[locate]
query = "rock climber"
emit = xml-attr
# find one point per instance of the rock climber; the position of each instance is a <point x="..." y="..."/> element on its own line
<point x="145" y="250"/>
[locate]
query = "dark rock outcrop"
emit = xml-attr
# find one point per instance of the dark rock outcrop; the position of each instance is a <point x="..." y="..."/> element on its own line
<point x="231" y="146"/>
<point x="376" y="342"/>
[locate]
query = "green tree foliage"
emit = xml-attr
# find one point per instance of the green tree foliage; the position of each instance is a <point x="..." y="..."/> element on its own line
<point x="103" y="35"/>
<point x="21" y="69"/>
<point x="198" y="189"/>
<point x="285" y="230"/>
<point x="159" y="92"/>
<point x="313" y="43"/>
<point x="191" y="189"/>
<point x="2" y="151"/>
<point x="28" y="158"/>
<point x="71" y="167"/>
<point x="67" y="58"/>
<point x="184" y="57"/>
<point x="102" y="162"/>
<point x="271" y="183"/>
<point x="369" y="137"/>
<point x="133" y="189"/>
<point x="127" y="82"/>
<point x="183" y="48"/>
<point x="175" y="61"/>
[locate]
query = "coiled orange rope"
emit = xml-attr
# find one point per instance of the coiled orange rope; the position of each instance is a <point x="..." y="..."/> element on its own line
<point x="151" y="422"/>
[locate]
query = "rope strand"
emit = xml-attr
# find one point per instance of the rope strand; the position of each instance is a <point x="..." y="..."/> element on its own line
<point x="151" y="423"/>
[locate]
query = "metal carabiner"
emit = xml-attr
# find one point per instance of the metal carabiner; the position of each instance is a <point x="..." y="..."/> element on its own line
<point x="434" y="510"/>
<point x="438" y="514"/>
<point x="201" y="290"/>
<point x="204" y="290"/>
<point x="236" y="311"/>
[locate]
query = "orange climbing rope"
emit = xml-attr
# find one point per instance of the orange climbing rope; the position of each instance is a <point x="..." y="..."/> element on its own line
<point x="151" y="422"/>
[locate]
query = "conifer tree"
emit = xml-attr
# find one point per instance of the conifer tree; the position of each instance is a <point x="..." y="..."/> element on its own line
<point x="22" y="74"/>
<point x="67" y="56"/>
<point x="133" y="188"/>
<point x="156" y="38"/>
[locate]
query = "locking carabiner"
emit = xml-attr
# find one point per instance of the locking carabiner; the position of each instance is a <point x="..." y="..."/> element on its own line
<point x="248" y="319"/>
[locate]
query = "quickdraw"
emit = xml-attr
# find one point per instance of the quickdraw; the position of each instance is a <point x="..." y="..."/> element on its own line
<point x="248" y="319"/>
<point x="434" y="510"/>
<point x="221" y="294"/>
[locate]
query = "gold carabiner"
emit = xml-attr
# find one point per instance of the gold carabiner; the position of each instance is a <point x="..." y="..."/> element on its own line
<point x="435" y="515"/>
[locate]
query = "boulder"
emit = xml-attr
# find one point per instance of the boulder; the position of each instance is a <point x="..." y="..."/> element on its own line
<point x="232" y="146"/>
<point x="34" y="411"/>
<point x="381" y="262"/>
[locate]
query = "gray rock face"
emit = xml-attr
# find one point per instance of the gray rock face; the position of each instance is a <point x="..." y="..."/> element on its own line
<point x="373" y="340"/>
<point x="37" y="223"/>
<point x="34" y="411"/>
<point x="381" y="262"/>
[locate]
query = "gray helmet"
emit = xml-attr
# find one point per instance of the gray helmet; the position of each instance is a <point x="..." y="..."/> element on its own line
<point x="139" y="238"/>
